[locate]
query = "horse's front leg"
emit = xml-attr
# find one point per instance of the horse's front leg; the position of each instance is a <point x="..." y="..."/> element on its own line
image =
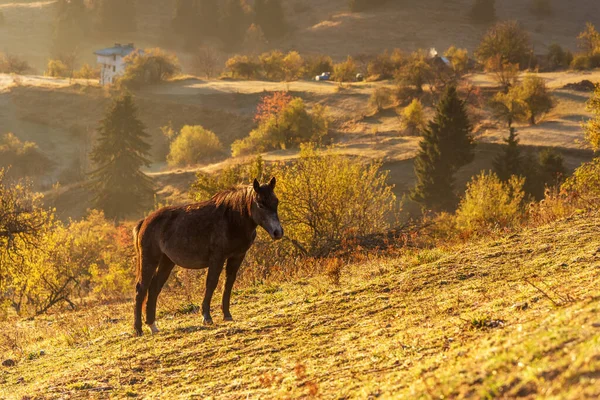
<point x="233" y="265"/>
<point x="212" y="279"/>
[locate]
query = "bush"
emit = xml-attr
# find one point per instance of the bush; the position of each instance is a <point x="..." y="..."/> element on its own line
<point x="413" y="117"/>
<point x="287" y="128"/>
<point x="584" y="185"/>
<point x="490" y="204"/>
<point x="57" y="69"/>
<point x="558" y="58"/>
<point x="193" y="145"/>
<point x="582" y="62"/>
<point x="272" y="65"/>
<point x="242" y="66"/>
<point x="292" y="66"/>
<point x="508" y="41"/>
<point x="381" y="98"/>
<point x="415" y="72"/>
<point x="345" y="71"/>
<point x="324" y="199"/>
<point x="459" y="59"/>
<point x="534" y="93"/>
<point x="592" y="126"/>
<point x="316" y="65"/>
<point x="23" y="158"/>
<point x="205" y="62"/>
<point x="385" y="65"/>
<point x="149" y="67"/>
<point x="87" y="72"/>
<point x="11" y="64"/>
<point x="483" y="11"/>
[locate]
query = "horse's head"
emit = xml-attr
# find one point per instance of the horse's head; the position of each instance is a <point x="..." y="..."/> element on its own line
<point x="264" y="209"/>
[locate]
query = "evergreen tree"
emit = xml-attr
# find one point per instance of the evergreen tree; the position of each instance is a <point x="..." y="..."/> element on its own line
<point x="233" y="23"/>
<point x="269" y="15"/>
<point x="510" y="161"/>
<point x="117" y="16"/>
<point x="120" y="188"/>
<point x="447" y="145"/>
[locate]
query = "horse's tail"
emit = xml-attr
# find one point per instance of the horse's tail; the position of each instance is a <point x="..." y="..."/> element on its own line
<point x="136" y="243"/>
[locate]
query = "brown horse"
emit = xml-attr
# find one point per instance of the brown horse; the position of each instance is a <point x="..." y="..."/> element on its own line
<point x="201" y="235"/>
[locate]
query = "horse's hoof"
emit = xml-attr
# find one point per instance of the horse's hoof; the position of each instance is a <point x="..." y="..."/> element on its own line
<point x="154" y="329"/>
<point x="228" y="318"/>
<point x="138" y="331"/>
<point x="208" y="321"/>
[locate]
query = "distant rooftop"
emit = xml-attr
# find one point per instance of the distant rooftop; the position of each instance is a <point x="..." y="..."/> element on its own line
<point x="117" y="50"/>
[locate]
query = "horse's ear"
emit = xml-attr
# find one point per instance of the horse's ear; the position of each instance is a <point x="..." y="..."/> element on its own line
<point x="256" y="185"/>
<point x="273" y="182"/>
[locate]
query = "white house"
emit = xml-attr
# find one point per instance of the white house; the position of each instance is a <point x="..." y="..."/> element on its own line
<point x="112" y="62"/>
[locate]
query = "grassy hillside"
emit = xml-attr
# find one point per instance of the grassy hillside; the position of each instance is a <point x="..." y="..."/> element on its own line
<point x="316" y="27"/>
<point x="511" y="317"/>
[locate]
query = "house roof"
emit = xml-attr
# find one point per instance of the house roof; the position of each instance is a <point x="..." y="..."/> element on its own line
<point x="117" y="50"/>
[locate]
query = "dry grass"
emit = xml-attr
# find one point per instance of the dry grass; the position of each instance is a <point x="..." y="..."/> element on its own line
<point x="517" y="316"/>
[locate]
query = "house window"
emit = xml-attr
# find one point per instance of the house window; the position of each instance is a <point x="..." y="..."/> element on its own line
<point x="114" y="68"/>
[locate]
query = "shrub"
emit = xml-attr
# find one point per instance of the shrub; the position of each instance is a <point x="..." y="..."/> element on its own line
<point x="272" y="65"/>
<point x="23" y="158"/>
<point x="581" y="62"/>
<point x="490" y="203"/>
<point x="385" y="65"/>
<point x="558" y="58"/>
<point x="316" y="65"/>
<point x="381" y="98"/>
<point x="589" y="39"/>
<point x="149" y="67"/>
<point x="345" y="71"/>
<point x="292" y="66"/>
<point x="584" y="185"/>
<point x="193" y="145"/>
<point x="205" y="62"/>
<point x="592" y="126"/>
<point x="11" y="64"/>
<point x="459" y="59"/>
<point x="508" y="41"/>
<point x="57" y="69"/>
<point x="242" y="66"/>
<point x="324" y="199"/>
<point x="504" y="73"/>
<point x="87" y="72"/>
<point x="288" y="128"/>
<point x="534" y="93"/>
<point x="415" y="72"/>
<point x="271" y="105"/>
<point x="413" y="117"/>
<point x="483" y="11"/>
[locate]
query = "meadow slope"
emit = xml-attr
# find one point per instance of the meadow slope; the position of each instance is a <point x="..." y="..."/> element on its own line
<point x="512" y="317"/>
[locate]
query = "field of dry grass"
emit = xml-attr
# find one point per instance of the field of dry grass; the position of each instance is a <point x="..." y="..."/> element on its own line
<point x="516" y="316"/>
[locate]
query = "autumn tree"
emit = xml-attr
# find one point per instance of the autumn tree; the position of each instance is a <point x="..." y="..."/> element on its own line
<point x="592" y="126"/>
<point x="508" y="41"/>
<point x="119" y="186"/>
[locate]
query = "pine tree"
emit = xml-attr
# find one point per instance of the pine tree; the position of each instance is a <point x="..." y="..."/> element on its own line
<point x="269" y="15"/>
<point x="233" y="23"/>
<point x="510" y="161"/>
<point x="117" y="16"/>
<point x="447" y="145"/>
<point x="120" y="188"/>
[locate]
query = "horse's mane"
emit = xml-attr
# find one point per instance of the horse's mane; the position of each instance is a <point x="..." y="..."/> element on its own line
<point x="238" y="199"/>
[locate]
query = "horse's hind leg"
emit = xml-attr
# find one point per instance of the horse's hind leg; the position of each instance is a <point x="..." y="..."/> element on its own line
<point x="148" y="267"/>
<point x="165" y="266"/>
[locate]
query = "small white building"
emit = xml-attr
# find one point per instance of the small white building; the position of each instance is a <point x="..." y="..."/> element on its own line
<point x="112" y="61"/>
